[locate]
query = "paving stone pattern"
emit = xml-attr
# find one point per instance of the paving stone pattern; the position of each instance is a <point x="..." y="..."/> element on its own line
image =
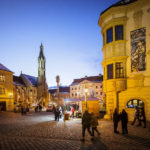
<point x="39" y="131"/>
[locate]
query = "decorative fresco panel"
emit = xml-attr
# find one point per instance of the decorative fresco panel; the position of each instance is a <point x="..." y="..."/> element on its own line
<point x="138" y="50"/>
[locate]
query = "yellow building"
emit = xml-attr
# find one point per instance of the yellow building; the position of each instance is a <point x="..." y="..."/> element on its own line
<point x="125" y="27"/>
<point x="6" y="89"/>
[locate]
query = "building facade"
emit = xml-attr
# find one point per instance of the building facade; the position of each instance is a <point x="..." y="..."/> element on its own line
<point x="6" y="89"/>
<point x="24" y="89"/>
<point x="59" y="95"/>
<point x="93" y="84"/>
<point x="126" y="56"/>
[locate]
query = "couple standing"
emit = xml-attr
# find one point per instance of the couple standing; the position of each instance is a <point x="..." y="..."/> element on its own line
<point x="89" y="120"/>
<point x="123" y="116"/>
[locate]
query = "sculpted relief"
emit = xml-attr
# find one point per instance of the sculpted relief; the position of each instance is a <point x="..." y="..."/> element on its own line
<point x="138" y="50"/>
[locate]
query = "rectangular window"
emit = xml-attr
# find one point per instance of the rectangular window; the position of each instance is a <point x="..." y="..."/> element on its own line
<point x="103" y="39"/>
<point x="2" y="91"/>
<point x="2" y="78"/>
<point x="110" y="71"/>
<point x="119" y="32"/>
<point x="109" y="35"/>
<point x="119" y="70"/>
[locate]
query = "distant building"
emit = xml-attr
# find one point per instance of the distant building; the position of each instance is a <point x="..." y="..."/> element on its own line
<point x="58" y="99"/>
<point x="125" y="27"/>
<point x="32" y="90"/>
<point x="24" y="89"/>
<point x="94" y="87"/>
<point x="6" y="89"/>
<point x="93" y="84"/>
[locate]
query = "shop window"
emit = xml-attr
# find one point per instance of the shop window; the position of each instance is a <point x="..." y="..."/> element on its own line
<point x="109" y="35"/>
<point x="110" y="71"/>
<point x="135" y="103"/>
<point x="119" y="32"/>
<point x="119" y="70"/>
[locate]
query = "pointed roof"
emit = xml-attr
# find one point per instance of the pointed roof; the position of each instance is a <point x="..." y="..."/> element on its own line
<point x="41" y="54"/>
<point x="18" y="81"/>
<point x="2" y="67"/>
<point x="30" y="79"/>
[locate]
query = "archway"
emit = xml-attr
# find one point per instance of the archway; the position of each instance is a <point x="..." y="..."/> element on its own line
<point x="135" y="103"/>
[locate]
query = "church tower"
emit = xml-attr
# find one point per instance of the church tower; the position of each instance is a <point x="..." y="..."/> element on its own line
<point x="41" y="66"/>
<point x="42" y="88"/>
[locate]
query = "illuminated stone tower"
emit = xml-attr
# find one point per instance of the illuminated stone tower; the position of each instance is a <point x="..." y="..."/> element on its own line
<point x="42" y="88"/>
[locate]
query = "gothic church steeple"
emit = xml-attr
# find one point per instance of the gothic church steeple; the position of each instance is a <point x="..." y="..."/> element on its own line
<point x="41" y="64"/>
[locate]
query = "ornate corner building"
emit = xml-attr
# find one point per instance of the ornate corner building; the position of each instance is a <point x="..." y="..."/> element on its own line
<point x="23" y="89"/>
<point x="125" y="27"/>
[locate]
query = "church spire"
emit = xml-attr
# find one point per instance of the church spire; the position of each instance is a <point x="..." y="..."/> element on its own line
<point x="41" y="55"/>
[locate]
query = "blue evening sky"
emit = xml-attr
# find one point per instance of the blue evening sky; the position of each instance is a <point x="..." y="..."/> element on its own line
<point x="68" y="30"/>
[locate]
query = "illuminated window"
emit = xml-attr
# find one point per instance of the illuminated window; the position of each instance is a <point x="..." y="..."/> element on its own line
<point x="109" y="35"/>
<point x="2" y="78"/>
<point x="119" y="70"/>
<point x="110" y="71"/>
<point x="2" y="91"/>
<point x="119" y="32"/>
<point x="135" y="103"/>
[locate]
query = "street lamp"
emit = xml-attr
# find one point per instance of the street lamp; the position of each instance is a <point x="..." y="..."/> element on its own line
<point x="86" y="91"/>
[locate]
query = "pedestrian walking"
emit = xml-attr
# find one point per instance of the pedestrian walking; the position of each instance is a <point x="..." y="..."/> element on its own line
<point x="124" y="122"/>
<point x="22" y="110"/>
<point x="116" y="118"/>
<point x="94" y="124"/>
<point x="57" y="114"/>
<point x="136" y="116"/>
<point x="142" y="118"/>
<point x="40" y="108"/>
<point x="72" y="112"/>
<point x="86" y="123"/>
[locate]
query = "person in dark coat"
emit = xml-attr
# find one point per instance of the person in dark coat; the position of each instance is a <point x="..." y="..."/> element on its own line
<point x="57" y="114"/>
<point x="94" y="124"/>
<point x="86" y="122"/>
<point x="142" y="117"/>
<point x="124" y="122"/>
<point x="116" y="118"/>
<point x="22" y="110"/>
<point x="136" y="116"/>
<point x="40" y="108"/>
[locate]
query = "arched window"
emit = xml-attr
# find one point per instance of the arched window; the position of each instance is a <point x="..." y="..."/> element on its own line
<point x="135" y="103"/>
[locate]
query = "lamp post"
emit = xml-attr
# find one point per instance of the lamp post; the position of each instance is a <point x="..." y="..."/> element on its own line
<point x="86" y="91"/>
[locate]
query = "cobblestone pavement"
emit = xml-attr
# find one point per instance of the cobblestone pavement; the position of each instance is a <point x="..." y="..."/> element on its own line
<point x="39" y="131"/>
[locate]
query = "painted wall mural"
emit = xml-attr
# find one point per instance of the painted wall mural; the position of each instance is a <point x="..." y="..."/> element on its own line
<point x="138" y="50"/>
